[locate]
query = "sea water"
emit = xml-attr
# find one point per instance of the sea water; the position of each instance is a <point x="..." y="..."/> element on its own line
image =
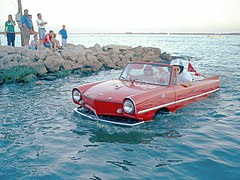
<point x="42" y="138"/>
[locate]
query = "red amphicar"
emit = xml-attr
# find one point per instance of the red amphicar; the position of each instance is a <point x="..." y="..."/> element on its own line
<point x="143" y="90"/>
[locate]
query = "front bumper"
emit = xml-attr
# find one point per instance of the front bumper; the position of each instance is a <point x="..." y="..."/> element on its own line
<point x="121" y="121"/>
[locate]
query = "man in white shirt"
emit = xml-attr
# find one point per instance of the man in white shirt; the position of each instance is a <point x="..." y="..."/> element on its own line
<point x="41" y="28"/>
<point x="181" y="75"/>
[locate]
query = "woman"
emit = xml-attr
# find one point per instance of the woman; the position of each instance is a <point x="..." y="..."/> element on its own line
<point x="9" y="31"/>
<point x="48" y="41"/>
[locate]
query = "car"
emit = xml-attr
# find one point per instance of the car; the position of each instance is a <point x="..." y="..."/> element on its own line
<point x="143" y="90"/>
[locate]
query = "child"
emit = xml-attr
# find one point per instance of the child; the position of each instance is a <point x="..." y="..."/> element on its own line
<point x="34" y="43"/>
<point x="56" y="42"/>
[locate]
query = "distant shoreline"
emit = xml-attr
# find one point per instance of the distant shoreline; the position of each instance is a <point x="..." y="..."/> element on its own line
<point x="163" y="33"/>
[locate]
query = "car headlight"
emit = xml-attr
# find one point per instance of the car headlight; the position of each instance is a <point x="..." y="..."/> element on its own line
<point x="76" y="95"/>
<point x="128" y="106"/>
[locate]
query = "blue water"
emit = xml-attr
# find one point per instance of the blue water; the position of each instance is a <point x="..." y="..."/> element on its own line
<point x="41" y="137"/>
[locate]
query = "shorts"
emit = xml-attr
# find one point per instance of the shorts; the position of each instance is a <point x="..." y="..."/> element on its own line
<point x="48" y="45"/>
<point x="25" y="33"/>
<point x="41" y="32"/>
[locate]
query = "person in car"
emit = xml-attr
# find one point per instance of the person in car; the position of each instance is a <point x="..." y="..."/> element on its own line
<point x="181" y="76"/>
<point x="148" y="75"/>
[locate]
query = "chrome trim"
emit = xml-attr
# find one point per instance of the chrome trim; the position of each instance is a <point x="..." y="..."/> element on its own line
<point x="106" y="121"/>
<point x="176" y="102"/>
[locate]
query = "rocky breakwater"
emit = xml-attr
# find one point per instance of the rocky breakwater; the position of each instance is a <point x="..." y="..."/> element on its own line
<point x="21" y="64"/>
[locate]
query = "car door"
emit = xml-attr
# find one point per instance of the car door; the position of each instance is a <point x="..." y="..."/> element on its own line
<point x="184" y="92"/>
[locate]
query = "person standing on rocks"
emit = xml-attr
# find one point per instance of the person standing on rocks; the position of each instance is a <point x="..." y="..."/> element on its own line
<point x="32" y="30"/>
<point x="41" y="28"/>
<point x="63" y="34"/>
<point x="26" y="27"/>
<point x="9" y="31"/>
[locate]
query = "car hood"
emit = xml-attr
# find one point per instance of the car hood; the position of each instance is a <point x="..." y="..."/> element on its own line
<point x="117" y="90"/>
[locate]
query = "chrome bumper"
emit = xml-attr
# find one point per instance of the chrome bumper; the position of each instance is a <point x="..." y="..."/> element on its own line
<point x="91" y="115"/>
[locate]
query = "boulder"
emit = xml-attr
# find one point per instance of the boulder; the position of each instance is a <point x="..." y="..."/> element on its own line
<point x="8" y="49"/>
<point x="149" y="51"/>
<point x="138" y="51"/>
<point x="77" y="65"/>
<point x="39" y="67"/>
<point x="39" y="83"/>
<point x="3" y="54"/>
<point x="129" y="53"/>
<point x="43" y="54"/>
<point x="31" y="54"/>
<point x="53" y="63"/>
<point x="93" y="62"/>
<point x="10" y="64"/>
<point x="25" y="61"/>
<point x="136" y="58"/>
<point x="97" y="48"/>
<point x="11" y="58"/>
<point x="122" y="63"/>
<point x="165" y="56"/>
<point x="67" y="64"/>
<point x="29" y="78"/>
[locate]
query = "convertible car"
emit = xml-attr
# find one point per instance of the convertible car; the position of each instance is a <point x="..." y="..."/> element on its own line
<point x="143" y="90"/>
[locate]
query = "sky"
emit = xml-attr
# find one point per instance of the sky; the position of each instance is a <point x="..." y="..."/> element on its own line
<point x="137" y="16"/>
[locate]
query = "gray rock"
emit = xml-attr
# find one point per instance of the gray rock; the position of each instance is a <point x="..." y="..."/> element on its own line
<point x="8" y="49"/>
<point x="53" y="63"/>
<point x="67" y="64"/>
<point x="129" y="53"/>
<point x="29" y="78"/>
<point x="43" y="54"/>
<point x="138" y="51"/>
<point x="39" y="67"/>
<point x="11" y="58"/>
<point x="3" y="54"/>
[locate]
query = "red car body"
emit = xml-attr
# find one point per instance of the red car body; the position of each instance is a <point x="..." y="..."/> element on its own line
<point x="105" y="101"/>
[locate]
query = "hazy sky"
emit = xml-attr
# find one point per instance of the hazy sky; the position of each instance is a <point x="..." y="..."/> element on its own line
<point x="88" y="16"/>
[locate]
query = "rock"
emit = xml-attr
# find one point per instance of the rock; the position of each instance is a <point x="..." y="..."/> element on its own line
<point x="25" y="61"/>
<point x="43" y="54"/>
<point x="67" y="65"/>
<point x="122" y="63"/>
<point x="8" y="49"/>
<point x="29" y="78"/>
<point x="74" y="58"/>
<point x="11" y="58"/>
<point x="49" y="77"/>
<point x="39" y="83"/>
<point x="39" y="67"/>
<point x="31" y="54"/>
<point x="138" y="51"/>
<point x="106" y="60"/>
<point x="97" y="48"/>
<point x="129" y="53"/>
<point x="86" y="71"/>
<point x="3" y="54"/>
<point x="165" y="56"/>
<point x="136" y="58"/>
<point x="77" y="66"/>
<point x="53" y="63"/>
<point x="10" y="64"/>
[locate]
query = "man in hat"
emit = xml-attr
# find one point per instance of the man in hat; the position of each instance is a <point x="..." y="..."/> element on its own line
<point x="180" y="76"/>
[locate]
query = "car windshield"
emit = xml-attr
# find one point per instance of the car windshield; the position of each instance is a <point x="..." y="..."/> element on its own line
<point x="147" y="73"/>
